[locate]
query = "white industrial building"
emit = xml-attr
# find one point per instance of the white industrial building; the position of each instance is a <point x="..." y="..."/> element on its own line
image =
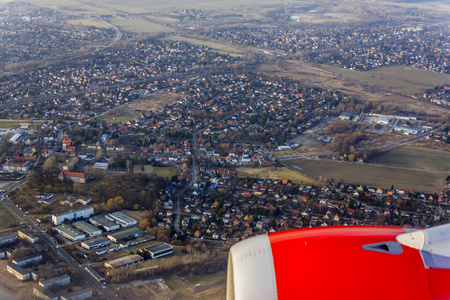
<point x="69" y="232"/>
<point x="95" y="243"/>
<point x="106" y="224"/>
<point x="87" y="228"/>
<point x="84" y="212"/>
<point x="120" y="218"/>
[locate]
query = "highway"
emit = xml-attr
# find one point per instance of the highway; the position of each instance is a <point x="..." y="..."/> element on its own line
<point x="52" y="243"/>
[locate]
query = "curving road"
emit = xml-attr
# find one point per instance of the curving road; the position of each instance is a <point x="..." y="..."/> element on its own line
<point x="52" y="243"/>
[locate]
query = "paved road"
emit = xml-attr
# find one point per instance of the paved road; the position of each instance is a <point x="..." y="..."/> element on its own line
<point x="52" y="242"/>
<point x="194" y="179"/>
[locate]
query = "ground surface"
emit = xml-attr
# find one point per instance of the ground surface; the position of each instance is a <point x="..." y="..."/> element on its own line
<point x="5" y="217"/>
<point x="133" y="110"/>
<point x="371" y="175"/>
<point x="416" y="158"/>
<point x="211" y="286"/>
<point x="274" y="173"/>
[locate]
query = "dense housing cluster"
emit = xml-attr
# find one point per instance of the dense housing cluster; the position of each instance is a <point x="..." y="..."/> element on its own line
<point x="357" y="47"/>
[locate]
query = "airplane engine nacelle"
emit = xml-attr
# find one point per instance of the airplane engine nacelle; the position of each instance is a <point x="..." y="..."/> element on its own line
<point x="354" y="262"/>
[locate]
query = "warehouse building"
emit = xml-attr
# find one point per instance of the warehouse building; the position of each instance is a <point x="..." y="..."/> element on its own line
<point x="159" y="250"/>
<point x="38" y="274"/>
<point x="106" y="224"/>
<point x="78" y="295"/>
<point x="28" y="236"/>
<point x="124" y="261"/>
<point x="8" y="239"/>
<point x="18" y="271"/>
<point x="126" y="234"/>
<point x="120" y="218"/>
<point x="70" y="233"/>
<point x="88" y="229"/>
<point x="42" y="293"/>
<point x="84" y="212"/>
<point x="95" y="273"/>
<point x="54" y="281"/>
<point x="95" y="243"/>
<point x="27" y="260"/>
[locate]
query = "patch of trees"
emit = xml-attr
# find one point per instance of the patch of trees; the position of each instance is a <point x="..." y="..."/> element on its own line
<point x="193" y="263"/>
<point x="342" y="142"/>
<point x="141" y="189"/>
<point x="340" y="127"/>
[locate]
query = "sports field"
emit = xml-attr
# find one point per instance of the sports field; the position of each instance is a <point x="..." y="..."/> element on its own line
<point x="354" y="173"/>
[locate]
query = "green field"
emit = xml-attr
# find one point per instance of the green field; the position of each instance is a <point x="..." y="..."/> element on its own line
<point x="8" y="123"/>
<point x="5" y="217"/>
<point x="415" y="158"/>
<point x="137" y="26"/>
<point x="354" y="173"/>
<point x="401" y="79"/>
<point x="166" y="172"/>
<point x="282" y="173"/>
<point x="120" y="116"/>
<point x="216" y="47"/>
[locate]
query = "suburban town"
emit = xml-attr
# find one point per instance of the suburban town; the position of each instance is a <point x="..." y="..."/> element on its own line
<point x="132" y="157"/>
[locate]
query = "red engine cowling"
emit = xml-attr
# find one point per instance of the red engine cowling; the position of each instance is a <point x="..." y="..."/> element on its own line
<point x="347" y="262"/>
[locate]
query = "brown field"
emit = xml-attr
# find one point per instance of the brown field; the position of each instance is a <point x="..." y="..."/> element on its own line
<point x="416" y="158"/>
<point x="87" y="22"/>
<point x="133" y="110"/>
<point x="143" y="290"/>
<point x="274" y="173"/>
<point x="210" y="286"/>
<point x="352" y="86"/>
<point x="400" y="79"/>
<point x="214" y="46"/>
<point x="155" y="101"/>
<point x="11" y="288"/>
<point x="417" y="180"/>
<point x="8" y="123"/>
<point x="138" y="26"/>
<point x="166" y="172"/>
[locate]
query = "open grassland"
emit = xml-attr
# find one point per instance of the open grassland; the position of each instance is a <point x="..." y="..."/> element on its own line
<point x="8" y="123"/>
<point x="87" y="22"/>
<point x="163" y="5"/>
<point x="119" y="115"/>
<point x="277" y="154"/>
<point x="282" y="173"/>
<point x="75" y="7"/>
<point x="5" y="217"/>
<point x="401" y="79"/>
<point x="166" y="172"/>
<point x="426" y="181"/>
<point x="133" y="110"/>
<point x="137" y="26"/>
<point x="155" y="101"/>
<point x="415" y="158"/>
<point x="213" y="46"/>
